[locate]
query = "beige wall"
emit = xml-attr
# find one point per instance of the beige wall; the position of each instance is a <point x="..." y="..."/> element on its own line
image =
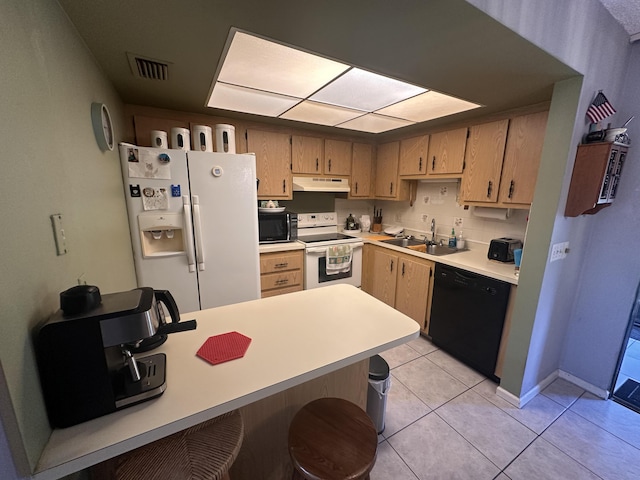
<point x="50" y="163"/>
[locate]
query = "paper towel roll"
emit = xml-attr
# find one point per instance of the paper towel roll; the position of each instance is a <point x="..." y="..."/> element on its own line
<point x="159" y="139"/>
<point x="493" y="213"/>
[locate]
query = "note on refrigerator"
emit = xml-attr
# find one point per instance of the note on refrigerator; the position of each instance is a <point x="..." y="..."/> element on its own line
<point x="155" y="198"/>
<point x="148" y="165"/>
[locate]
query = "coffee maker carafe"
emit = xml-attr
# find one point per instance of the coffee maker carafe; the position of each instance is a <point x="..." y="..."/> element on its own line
<point x="85" y="352"/>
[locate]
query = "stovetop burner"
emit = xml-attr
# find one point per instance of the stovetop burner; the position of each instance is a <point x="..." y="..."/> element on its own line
<point x="325" y="237"/>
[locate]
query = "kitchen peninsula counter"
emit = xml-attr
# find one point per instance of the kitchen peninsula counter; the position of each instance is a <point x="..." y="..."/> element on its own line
<point x="297" y="339"/>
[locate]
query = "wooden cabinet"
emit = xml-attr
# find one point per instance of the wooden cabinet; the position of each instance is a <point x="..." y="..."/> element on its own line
<point x="387" y="181"/>
<point x="446" y="152"/>
<point x="306" y="155"/>
<point x="522" y="158"/>
<point x="399" y="280"/>
<point x="273" y="163"/>
<point x="337" y="157"/>
<point x="362" y="171"/>
<point x="483" y="162"/>
<point x="596" y="173"/>
<point x="281" y="272"/>
<point x="413" y="156"/>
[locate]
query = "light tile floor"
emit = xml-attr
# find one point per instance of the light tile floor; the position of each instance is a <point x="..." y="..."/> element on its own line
<point x="445" y="421"/>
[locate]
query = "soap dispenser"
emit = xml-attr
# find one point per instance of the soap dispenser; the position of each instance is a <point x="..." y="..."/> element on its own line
<point x="452" y="238"/>
<point x="460" y="240"/>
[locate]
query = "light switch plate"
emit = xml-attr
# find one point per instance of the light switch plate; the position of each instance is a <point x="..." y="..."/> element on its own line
<point x="58" y="233"/>
<point x="559" y="251"/>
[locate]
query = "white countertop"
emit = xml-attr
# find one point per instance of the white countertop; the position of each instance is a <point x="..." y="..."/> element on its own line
<point x="474" y="260"/>
<point x="295" y="338"/>
<point x="281" y="247"/>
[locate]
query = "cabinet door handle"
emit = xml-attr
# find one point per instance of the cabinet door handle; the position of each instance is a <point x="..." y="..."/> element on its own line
<point x="511" y="189"/>
<point x="391" y="189"/>
<point x="329" y="164"/>
<point x="281" y="265"/>
<point x="433" y="163"/>
<point x="317" y="164"/>
<point x="391" y="266"/>
<point x="284" y="186"/>
<point x="489" y="188"/>
<point x="282" y="281"/>
<point x="356" y="187"/>
<point x="403" y="269"/>
<point x="420" y="164"/>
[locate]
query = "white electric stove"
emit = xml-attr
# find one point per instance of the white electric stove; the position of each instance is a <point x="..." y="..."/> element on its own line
<point x="318" y="231"/>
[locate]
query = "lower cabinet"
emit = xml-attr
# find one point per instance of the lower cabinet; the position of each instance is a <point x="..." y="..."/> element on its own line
<point x="281" y="272"/>
<point x="401" y="281"/>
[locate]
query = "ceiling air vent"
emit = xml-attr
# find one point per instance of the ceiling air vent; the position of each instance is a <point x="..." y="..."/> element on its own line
<point x="142" y="67"/>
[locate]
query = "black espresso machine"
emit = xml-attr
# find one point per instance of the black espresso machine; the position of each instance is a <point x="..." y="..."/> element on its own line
<point x="85" y="351"/>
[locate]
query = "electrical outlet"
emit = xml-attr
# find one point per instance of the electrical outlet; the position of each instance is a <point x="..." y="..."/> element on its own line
<point x="425" y="217"/>
<point x="457" y="222"/>
<point x="81" y="279"/>
<point x="425" y="199"/>
<point x="559" y="251"/>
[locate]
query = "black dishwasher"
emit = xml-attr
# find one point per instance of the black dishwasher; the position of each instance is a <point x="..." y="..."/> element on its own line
<point x="467" y="316"/>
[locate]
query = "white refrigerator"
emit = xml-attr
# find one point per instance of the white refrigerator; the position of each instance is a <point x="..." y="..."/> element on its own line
<point x="194" y="224"/>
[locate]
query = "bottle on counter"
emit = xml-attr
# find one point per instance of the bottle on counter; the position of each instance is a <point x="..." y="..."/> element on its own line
<point x="452" y="238"/>
<point x="460" y="240"/>
<point x="351" y="223"/>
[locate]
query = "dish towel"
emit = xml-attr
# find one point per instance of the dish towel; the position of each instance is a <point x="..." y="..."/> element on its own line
<point x="339" y="259"/>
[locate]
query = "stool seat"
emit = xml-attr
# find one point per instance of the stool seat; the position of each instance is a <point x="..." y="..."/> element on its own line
<point x="203" y="452"/>
<point x="332" y="439"/>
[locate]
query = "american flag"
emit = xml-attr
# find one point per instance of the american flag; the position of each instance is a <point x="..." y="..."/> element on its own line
<point x="600" y="108"/>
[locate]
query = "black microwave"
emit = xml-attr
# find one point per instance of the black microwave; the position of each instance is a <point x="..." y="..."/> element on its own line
<point x="277" y="227"/>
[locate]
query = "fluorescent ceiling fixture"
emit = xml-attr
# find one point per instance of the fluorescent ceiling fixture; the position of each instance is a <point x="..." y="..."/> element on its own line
<point x="365" y="91"/>
<point x="264" y="65"/>
<point x="314" y="112"/>
<point x="261" y="77"/>
<point x="240" y="99"/>
<point x="427" y="106"/>
<point x="373" y="123"/>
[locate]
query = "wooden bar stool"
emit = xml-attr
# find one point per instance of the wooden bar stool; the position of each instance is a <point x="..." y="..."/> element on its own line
<point x="203" y="452"/>
<point x="332" y="439"/>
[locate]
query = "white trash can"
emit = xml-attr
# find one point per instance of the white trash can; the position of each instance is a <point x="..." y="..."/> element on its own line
<point x="379" y="383"/>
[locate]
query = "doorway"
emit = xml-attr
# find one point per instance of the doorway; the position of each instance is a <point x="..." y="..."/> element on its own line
<point x="626" y="383"/>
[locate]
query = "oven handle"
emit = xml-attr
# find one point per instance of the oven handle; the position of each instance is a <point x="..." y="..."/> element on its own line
<point x="324" y="249"/>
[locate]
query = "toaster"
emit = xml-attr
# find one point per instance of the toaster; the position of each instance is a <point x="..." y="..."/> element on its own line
<point x="501" y="249"/>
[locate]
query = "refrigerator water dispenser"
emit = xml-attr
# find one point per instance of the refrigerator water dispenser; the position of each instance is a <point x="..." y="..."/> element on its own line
<point x="161" y="234"/>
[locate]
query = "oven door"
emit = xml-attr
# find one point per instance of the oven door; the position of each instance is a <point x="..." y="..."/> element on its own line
<point x="315" y="268"/>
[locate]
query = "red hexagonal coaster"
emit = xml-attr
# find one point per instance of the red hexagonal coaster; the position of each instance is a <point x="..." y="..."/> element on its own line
<point x="224" y="347"/>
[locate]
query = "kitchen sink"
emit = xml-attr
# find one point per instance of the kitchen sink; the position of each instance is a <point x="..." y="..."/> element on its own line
<point x="420" y="246"/>
<point x="403" y="242"/>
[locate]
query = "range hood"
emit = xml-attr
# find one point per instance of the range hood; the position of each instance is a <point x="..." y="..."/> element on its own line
<point x="320" y="184"/>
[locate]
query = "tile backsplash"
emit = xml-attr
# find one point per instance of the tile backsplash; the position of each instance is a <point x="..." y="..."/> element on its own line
<point x="438" y="201"/>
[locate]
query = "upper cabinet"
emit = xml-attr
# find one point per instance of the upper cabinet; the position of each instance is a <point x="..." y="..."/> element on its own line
<point x="388" y="184"/>
<point x="483" y="162"/>
<point x="596" y="173"/>
<point x="273" y="163"/>
<point x="522" y="158"/>
<point x="413" y="156"/>
<point x="446" y="152"/>
<point x="306" y="155"/>
<point x="362" y="171"/>
<point x="337" y="157"/>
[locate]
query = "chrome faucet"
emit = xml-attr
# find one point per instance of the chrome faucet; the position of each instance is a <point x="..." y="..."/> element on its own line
<point x="433" y="230"/>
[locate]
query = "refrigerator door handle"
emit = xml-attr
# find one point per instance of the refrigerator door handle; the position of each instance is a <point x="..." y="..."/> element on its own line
<point x="197" y="227"/>
<point x="188" y="226"/>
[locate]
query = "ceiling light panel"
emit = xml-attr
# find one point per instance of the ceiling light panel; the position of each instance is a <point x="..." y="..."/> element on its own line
<point x="364" y="90"/>
<point x="246" y="100"/>
<point x="427" y="106"/>
<point x="320" y="113"/>
<point x="373" y="123"/>
<point x="264" y="65"/>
